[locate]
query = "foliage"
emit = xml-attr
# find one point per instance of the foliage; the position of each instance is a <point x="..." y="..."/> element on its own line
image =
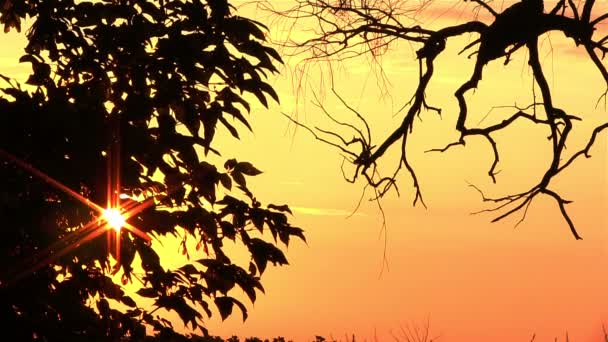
<point x="144" y="86"/>
<point x="345" y="29"/>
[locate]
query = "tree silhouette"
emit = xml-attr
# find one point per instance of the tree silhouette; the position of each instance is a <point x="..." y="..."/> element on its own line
<point x="345" y="29"/>
<point x="121" y="109"/>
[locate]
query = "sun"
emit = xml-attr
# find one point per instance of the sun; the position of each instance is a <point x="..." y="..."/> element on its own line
<point x="114" y="216"/>
<point x="115" y="219"/>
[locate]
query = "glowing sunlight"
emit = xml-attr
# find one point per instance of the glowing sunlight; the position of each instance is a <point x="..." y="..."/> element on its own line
<point x="114" y="218"/>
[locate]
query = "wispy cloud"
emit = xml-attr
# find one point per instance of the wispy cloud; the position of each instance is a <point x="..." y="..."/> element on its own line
<point x="325" y="211"/>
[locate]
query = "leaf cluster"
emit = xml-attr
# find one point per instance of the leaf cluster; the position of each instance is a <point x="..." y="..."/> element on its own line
<point x="156" y="79"/>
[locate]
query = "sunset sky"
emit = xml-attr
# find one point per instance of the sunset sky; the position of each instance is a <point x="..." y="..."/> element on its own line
<point x="472" y="279"/>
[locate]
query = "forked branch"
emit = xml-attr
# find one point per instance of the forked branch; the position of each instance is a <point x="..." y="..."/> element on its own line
<point x="344" y="29"/>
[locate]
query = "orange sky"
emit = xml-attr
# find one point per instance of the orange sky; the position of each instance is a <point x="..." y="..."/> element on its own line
<point x="474" y="280"/>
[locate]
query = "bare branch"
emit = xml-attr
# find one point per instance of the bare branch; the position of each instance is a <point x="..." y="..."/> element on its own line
<point x="297" y="123"/>
<point x="561" y="203"/>
<point x="485" y="6"/>
<point x="584" y="151"/>
<point x="345" y="29"/>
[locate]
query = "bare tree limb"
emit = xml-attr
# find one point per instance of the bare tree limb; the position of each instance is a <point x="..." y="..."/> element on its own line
<point x="346" y="29"/>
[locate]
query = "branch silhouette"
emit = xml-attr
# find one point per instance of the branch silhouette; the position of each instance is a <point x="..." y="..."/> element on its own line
<point x="345" y="29"/>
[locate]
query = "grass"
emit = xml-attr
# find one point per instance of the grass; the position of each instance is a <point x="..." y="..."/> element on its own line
<point x="411" y="333"/>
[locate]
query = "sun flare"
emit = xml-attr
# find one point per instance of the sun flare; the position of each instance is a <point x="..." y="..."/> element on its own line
<point x="114" y="218"/>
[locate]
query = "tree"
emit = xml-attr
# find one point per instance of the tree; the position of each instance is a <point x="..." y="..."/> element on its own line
<point x="349" y="29"/>
<point x="121" y="108"/>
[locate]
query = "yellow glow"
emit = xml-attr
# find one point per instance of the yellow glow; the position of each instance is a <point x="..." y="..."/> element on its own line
<point x="114" y="218"/>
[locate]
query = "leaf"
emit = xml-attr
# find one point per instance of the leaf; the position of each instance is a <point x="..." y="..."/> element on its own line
<point x="29" y="58"/>
<point x="103" y="306"/>
<point x="205" y="306"/>
<point x="186" y="113"/>
<point x="283" y="208"/>
<point x="257" y="50"/>
<point x="131" y="313"/>
<point x="247" y="168"/>
<point x="284" y="236"/>
<point x="147" y="292"/>
<point x="6" y="79"/>
<point x="112" y="290"/>
<point x="274" y="54"/>
<point x="254" y="88"/>
<point x="225" y="304"/>
<point x="269" y="90"/>
<point x="205" y="177"/>
<point x="228" y="97"/>
<point x="16" y="93"/>
<point x="249" y="26"/>
<point x="226" y="180"/>
<point x="257" y="217"/>
<point x="128" y="301"/>
<point x="248" y="282"/>
<point x="41" y="70"/>
<point x="252" y="269"/>
<point x="262" y="252"/>
<point x="208" y="224"/>
<point x="233" y="131"/>
<point x="219" y="9"/>
<point x="189" y="269"/>
<point x="228" y="230"/>
<point x="126" y="277"/>
<point x="209" y="119"/>
<point x="299" y="232"/>
<point x="238" y="178"/>
<point x="242" y="307"/>
<point x="208" y="262"/>
<point x="10" y="22"/>
<point x="151" y="9"/>
<point x="238" y="115"/>
<point x="150" y="261"/>
<point x="230" y="164"/>
<point x="177" y="303"/>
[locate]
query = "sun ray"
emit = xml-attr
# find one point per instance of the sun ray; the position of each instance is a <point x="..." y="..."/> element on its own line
<point x="108" y="240"/>
<point x="92" y="229"/>
<point x="50" y="180"/>
<point x="110" y="219"/>
<point x="66" y="240"/>
<point x="117" y="166"/>
<point x="138" y="207"/>
<point x="117" y="250"/>
<point x="108" y="181"/>
<point x="137" y="232"/>
<point x="57" y="254"/>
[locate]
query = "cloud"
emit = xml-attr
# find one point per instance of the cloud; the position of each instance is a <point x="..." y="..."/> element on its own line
<point x="325" y="211"/>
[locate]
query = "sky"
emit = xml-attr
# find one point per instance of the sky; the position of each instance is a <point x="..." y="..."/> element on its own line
<point x="470" y="279"/>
